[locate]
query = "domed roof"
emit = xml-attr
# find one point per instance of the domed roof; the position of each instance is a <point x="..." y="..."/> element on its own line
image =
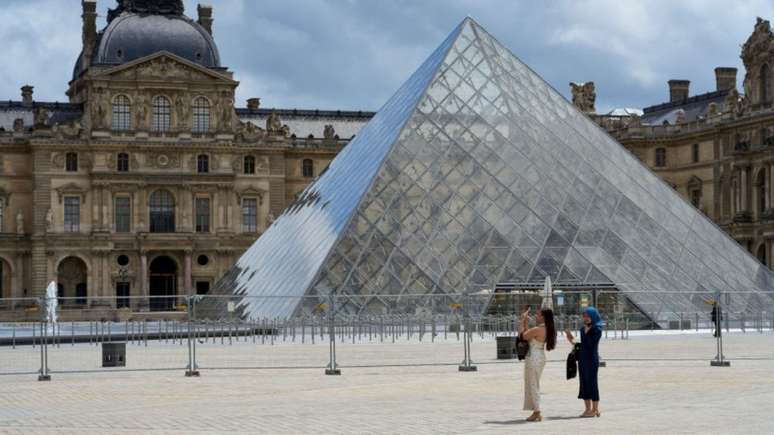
<point x="133" y="33"/>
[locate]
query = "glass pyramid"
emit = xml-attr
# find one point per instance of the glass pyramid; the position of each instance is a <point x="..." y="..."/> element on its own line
<point x="476" y="172"/>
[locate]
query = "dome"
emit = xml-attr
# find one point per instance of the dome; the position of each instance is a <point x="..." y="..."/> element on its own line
<point x="132" y="35"/>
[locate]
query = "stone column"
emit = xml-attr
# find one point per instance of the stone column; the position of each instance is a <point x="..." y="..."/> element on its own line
<point x="744" y="189"/>
<point x="96" y="194"/>
<point x="106" y="287"/>
<point x="143" y="304"/>
<point x="106" y="210"/>
<point x="142" y="212"/>
<point x="187" y="278"/>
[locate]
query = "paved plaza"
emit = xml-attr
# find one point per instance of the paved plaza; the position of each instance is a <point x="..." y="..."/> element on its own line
<point x="653" y="384"/>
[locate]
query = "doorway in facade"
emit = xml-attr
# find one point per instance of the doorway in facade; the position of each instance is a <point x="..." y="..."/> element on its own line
<point x="163" y="284"/>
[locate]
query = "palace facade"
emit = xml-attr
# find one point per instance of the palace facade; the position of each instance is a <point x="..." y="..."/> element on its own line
<point x="715" y="148"/>
<point x="148" y="183"/>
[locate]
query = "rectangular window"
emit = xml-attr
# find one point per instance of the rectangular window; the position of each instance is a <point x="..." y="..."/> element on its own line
<point x="72" y="214"/>
<point x="202" y="287"/>
<point x="71" y="162"/>
<point x="202" y="215"/>
<point x="123" y="214"/>
<point x="249" y="215"/>
<point x="695" y="153"/>
<point x="122" y="295"/>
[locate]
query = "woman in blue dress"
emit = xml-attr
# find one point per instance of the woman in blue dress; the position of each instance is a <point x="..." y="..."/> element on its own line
<point x="588" y="360"/>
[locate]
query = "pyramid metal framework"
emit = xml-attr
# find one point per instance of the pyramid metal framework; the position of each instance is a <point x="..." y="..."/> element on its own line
<point x="477" y="172"/>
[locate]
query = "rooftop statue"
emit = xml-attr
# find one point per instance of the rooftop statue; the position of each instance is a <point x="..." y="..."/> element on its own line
<point x="156" y="7"/>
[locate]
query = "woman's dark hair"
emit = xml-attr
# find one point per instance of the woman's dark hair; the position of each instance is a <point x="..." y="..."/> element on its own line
<point x="548" y="321"/>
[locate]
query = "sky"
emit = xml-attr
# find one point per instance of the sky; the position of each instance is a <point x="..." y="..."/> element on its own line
<point x="353" y="54"/>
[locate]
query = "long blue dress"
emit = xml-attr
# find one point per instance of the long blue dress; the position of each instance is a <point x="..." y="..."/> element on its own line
<point x="588" y="364"/>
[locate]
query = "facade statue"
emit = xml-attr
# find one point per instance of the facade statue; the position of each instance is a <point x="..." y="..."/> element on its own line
<point x="18" y="125"/>
<point x="329" y="132"/>
<point x="680" y="117"/>
<point x="584" y="96"/>
<point x="41" y="117"/>
<point x="20" y="223"/>
<point x="181" y="110"/>
<point x="141" y="112"/>
<point x="273" y="123"/>
<point x="50" y="220"/>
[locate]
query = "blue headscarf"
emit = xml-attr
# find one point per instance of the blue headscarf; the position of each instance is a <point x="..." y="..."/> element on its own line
<point x="596" y="319"/>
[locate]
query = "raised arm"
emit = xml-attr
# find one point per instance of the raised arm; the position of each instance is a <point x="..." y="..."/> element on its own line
<point x="524" y="321"/>
<point x="569" y="336"/>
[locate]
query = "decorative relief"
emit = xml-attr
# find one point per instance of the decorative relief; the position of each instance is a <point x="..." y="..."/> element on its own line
<point x="249" y="132"/>
<point x="274" y="126"/>
<point x="68" y="130"/>
<point x="98" y="108"/>
<point x="71" y="189"/>
<point x="251" y="192"/>
<point x="163" y="160"/>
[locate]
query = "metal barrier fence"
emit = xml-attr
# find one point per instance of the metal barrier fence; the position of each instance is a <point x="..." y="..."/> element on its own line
<point x="331" y="332"/>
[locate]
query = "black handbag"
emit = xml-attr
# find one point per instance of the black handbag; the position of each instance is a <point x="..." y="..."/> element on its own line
<point x="572" y="362"/>
<point x="522" y="347"/>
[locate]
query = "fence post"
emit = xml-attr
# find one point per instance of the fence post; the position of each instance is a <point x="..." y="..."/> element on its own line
<point x="43" y="373"/>
<point x="332" y="369"/>
<point x="467" y="363"/>
<point x="191" y="370"/>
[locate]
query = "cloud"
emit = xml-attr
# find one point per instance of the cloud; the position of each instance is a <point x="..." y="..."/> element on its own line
<point x="352" y="54"/>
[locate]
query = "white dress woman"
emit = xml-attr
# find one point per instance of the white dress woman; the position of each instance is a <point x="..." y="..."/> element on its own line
<point x="541" y="337"/>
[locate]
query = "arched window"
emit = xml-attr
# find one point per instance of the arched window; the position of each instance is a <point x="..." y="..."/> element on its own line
<point x="307" y="168"/>
<point x="201" y="115"/>
<point x="161" y="114"/>
<point x="764" y="83"/>
<point x="202" y="163"/>
<point x="122" y="113"/>
<point x="71" y="162"/>
<point x="249" y="165"/>
<point x="660" y="157"/>
<point x="122" y="162"/>
<point x="162" y="212"/>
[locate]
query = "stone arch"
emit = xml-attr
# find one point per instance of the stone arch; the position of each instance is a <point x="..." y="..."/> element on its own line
<point x="72" y="277"/>
<point x="164" y="281"/>
<point x="7" y="277"/>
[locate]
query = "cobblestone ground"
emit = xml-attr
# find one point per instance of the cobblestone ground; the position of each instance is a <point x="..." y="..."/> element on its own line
<point x="679" y="393"/>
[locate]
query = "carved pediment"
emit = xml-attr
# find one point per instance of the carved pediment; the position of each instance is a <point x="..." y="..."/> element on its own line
<point x="71" y="189"/>
<point x="252" y="192"/>
<point x="694" y="183"/>
<point x="165" y="66"/>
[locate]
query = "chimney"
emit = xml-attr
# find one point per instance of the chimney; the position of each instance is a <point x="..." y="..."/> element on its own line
<point x="253" y="103"/>
<point x="678" y="90"/>
<point x="725" y="78"/>
<point x="205" y="17"/>
<point x="26" y="93"/>
<point x="89" y="34"/>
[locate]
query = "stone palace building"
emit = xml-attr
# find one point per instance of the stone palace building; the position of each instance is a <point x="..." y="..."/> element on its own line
<point x="148" y="183"/>
<point x="715" y="148"/>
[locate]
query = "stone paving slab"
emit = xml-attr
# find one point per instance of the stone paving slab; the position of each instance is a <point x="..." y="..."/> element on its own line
<point x="677" y="395"/>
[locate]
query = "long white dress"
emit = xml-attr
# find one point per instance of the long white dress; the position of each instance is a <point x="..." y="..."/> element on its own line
<point x="533" y="369"/>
